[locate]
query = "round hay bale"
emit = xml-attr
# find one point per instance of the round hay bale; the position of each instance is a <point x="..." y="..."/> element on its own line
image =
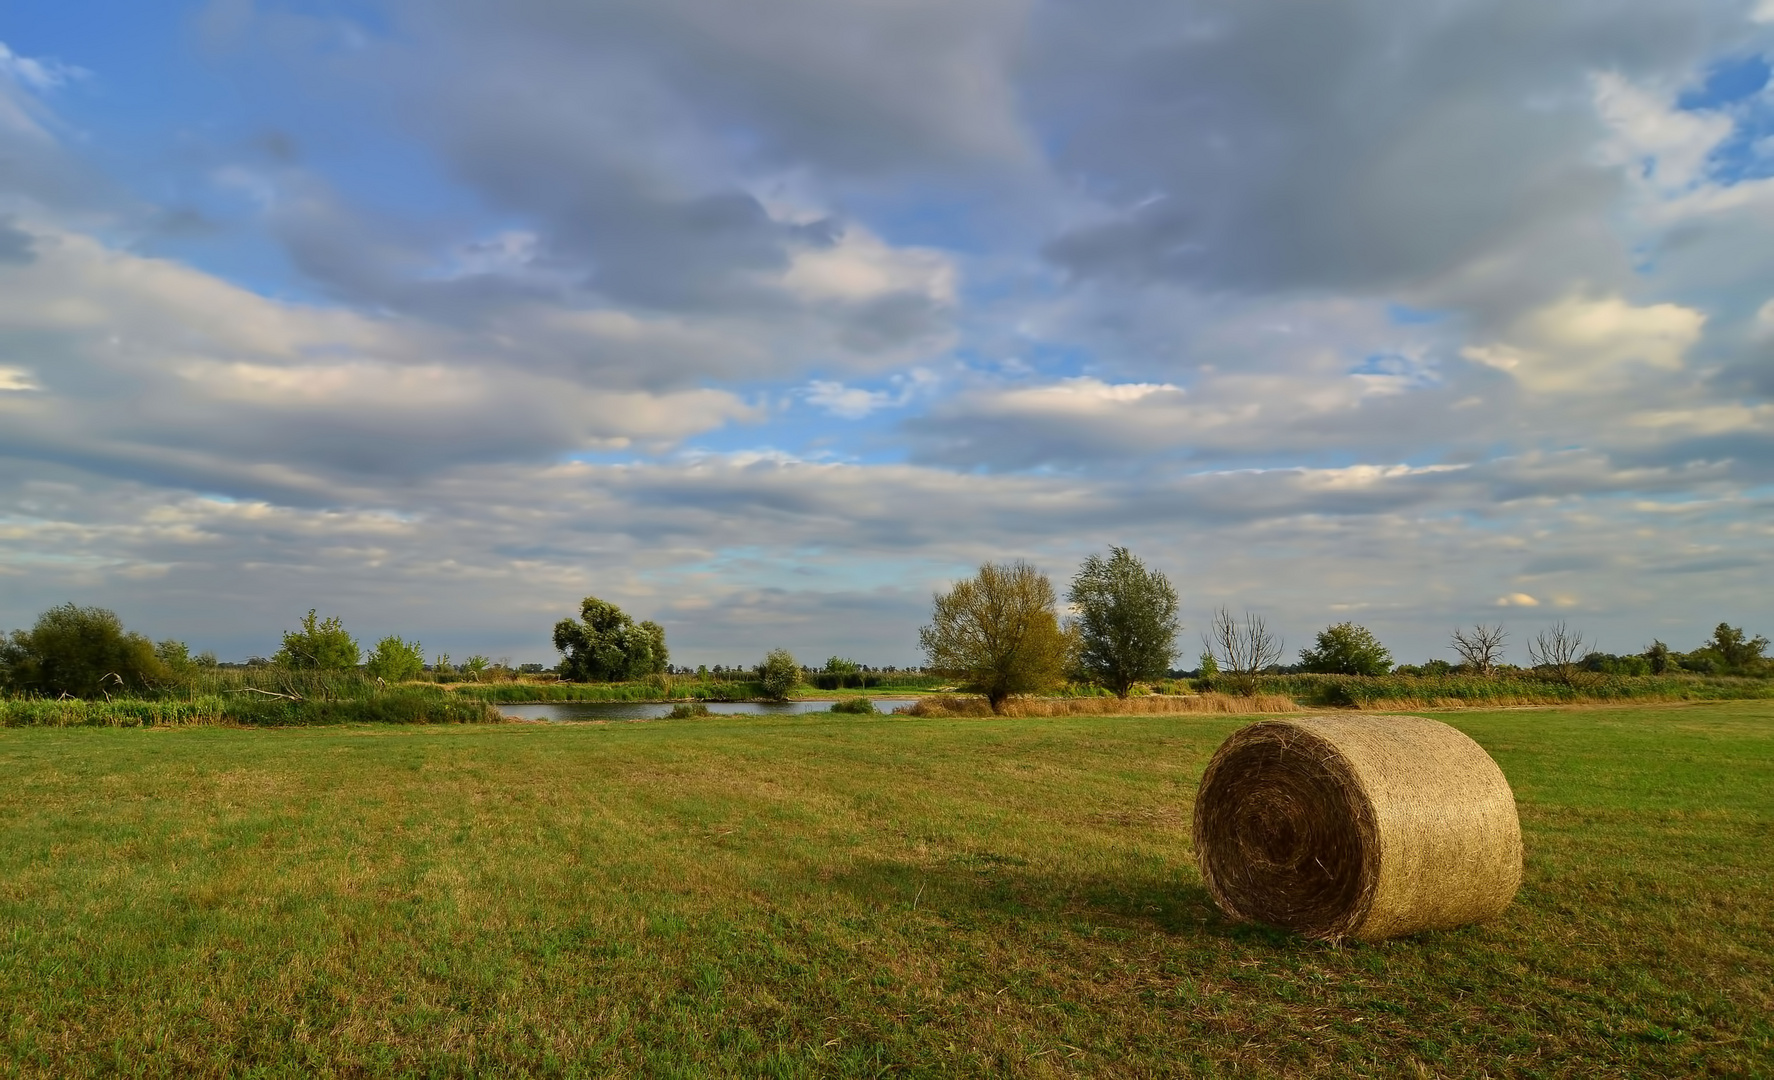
<point x="1363" y="827"/>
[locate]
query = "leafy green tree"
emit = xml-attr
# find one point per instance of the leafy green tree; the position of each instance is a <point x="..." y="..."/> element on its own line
<point x="1735" y="649"/>
<point x="1126" y="620"/>
<point x="320" y="645"/>
<point x="843" y="670"/>
<point x="181" y="666"/>
<point x="605" y="645"/>
<point x="79" y="651"/>
<point x="1208" y="666"/>
<point x="442" y="669"/>
<point x="394" y="660"/>
<point x="476" y="665"/>
<point x="998" y="632"/>
<point x="1657" y="654"/>
<point x="1347" y="649"/>
<point x="780" y="674"/>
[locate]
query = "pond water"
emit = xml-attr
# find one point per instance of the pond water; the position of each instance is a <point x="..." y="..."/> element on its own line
<point x="651" y="710"/>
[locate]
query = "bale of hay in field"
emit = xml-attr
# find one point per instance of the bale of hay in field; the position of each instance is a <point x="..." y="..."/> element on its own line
<point x="1363" y="827"/>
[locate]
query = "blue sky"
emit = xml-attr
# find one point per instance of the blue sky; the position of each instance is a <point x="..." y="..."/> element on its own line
<point x="766" y="322"/>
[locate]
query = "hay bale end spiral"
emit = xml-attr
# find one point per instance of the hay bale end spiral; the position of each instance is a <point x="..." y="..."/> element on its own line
<point x="1362" y="827"/>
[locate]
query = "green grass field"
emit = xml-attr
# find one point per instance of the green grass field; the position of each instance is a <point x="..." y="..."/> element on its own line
<point x="823" y="896"/>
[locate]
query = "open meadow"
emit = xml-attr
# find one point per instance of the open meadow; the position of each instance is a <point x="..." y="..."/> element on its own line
<point x="843" y="896"/>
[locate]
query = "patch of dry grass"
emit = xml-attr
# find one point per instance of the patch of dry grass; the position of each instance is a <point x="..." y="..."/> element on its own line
<point x="1150" y="705"/>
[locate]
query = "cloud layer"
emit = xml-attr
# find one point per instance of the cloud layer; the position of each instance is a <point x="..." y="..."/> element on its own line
<point x="765" y="323"/>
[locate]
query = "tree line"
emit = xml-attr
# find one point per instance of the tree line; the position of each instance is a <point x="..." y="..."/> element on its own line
<point x="998" y="633"/>
<point x="1002" y="635"/>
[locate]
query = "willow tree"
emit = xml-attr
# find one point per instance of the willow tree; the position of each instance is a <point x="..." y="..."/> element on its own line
<point x="998" y="633"/>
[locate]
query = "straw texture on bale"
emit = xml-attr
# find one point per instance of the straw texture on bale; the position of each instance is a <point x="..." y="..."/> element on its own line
<point x="1362" y="827"/>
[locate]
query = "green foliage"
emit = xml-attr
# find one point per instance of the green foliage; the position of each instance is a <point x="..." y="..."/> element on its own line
<point x="475" y="666"/>
<point x="1609" y="664"/>
<point x="1659" y="657"/>
<point x="688" y="712"/>
<point x="1347" y="649"/>
<point x="320" y="645"/>
<point x="838" y="665"/>
<point x="181" y="667"/>
<point x="1729" y="652"/>
<point x="395" y="660"/>
<point x="442" y="669"/>
<point x="1209" y="666"/>
<point x="81" y="652"/>
<point x="859" y="706"/>
<point x="998" y="632"/>
<point x="779" y="674"/>
<point x="1126" y="620"/>
<point x="606" y="645"/>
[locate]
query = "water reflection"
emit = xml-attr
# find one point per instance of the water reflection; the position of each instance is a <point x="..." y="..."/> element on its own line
<point x="637" y="710"/>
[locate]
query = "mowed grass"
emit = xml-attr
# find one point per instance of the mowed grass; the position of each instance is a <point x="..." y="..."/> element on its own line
<point x="826" y="896"/>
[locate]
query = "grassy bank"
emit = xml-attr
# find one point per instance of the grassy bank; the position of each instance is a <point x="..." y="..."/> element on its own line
<point x="842" y="897"/>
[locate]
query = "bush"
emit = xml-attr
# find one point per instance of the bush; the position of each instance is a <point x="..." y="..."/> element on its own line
<point x="688" y="712"/>
<point x="860" y="706"/>
<point x="80" y="652"/>
<point x="321" y="644"/>
<point x="779" y="674"/>
<point x="1347" y="649"/>
<point x="394" y="660"/>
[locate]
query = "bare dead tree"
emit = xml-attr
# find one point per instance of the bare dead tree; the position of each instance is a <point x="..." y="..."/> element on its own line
<point x="1559" y="649"/>
<point x="1481" y="648"/>
<point x="1242" y="649"/>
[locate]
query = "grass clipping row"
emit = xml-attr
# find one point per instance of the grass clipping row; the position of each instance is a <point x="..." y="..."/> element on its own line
<point x="1361" y="827"/>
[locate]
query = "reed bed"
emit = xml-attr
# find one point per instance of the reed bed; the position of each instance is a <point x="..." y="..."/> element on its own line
<point x="73" y="712"/>
<point x="398" y="706"/>
<point x="1392" y="692"/>
<point x="955" y="706"/>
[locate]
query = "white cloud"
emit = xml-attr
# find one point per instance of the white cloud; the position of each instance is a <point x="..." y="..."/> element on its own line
<point x="859" y="267"/>
<point x="1583" y="345"/>
<point x="854" y="403"/>
<point x="1086" y="395"/>
<point x="37" y="74"/>
<point x="1519" y="599"/>
<point x="1666" y="147"/>
<point x="16" y="379"/>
